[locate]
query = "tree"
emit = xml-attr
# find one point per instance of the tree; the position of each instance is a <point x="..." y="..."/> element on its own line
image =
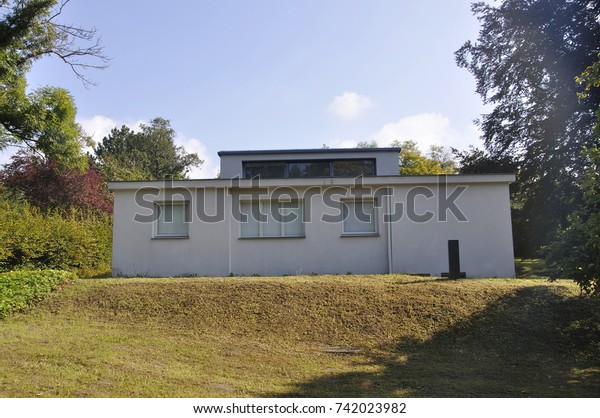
<point x="43" y="120"/>
<point x="413" y="162"/>
<point x="41" y="183"/>
<point x="150" y="154"/>
<point x="575" y="251"/>
<point x="525" y="62"/>
<point x="475" y="160"/>
<point x="367" y="144"/>
<point x="590" y="78"/>
<point x="443" y="157"/>
<point x="525" y="238"/>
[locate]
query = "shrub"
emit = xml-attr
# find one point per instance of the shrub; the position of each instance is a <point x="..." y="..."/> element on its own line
<point x="74" y="240"/>
<point x="575" y="252"/>
<point x="21" y="289"/>
<point x="45" y="185"/>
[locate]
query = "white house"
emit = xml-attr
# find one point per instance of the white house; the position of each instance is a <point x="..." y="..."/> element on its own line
<point x="318" y="211"/>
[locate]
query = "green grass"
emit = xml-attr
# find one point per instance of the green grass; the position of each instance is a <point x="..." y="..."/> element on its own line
<point x="528" y="268"/>
<point x="253" y="337"/>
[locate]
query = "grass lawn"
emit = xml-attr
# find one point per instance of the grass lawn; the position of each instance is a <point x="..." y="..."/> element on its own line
<point x="254" y="337"/>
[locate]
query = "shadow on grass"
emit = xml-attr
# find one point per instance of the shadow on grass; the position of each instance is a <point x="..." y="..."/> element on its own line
<point x="527" y="268"/>
<point x="432" y="280"/>
<point x="535" y="343"/>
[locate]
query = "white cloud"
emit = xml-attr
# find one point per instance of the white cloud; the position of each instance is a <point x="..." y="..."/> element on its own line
<point x="428" y="129"/>
<point x="207" y="170"/>
<point x="349" y="105"/>
<point x="100" y="126"/>
<point x="342" y="143"/>
<point x="425" y="129"/>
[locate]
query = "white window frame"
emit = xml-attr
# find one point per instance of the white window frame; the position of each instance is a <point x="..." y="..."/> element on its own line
<point x="159" y="205"/>
<point x="267" y="212"/>
<point x="375" y="223"/>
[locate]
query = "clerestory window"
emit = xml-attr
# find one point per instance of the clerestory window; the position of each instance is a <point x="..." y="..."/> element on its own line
<point x="309" y="168"/>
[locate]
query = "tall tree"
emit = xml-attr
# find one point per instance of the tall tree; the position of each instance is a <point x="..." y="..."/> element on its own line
<point x="525" y="62"/>
<point x="43" y="120"/>
<point x="590" y="79"/>
<point x="150" y="154"/>
<point x="575" y="251"/>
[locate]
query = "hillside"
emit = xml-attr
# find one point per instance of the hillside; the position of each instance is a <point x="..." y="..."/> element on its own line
<point x="271" y="336"/>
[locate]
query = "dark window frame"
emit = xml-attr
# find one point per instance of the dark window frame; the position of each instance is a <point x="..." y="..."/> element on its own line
<point x="330" y="161"/>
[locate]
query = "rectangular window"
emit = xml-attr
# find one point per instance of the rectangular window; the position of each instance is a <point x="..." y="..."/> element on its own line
<point x="353" y="168"/>
<point x="359" y="217"/>
<point x="308" y="169"/>
<point x="272" y="219"/>
<point x="264" y="169"/>
<point x="172" y="219"/>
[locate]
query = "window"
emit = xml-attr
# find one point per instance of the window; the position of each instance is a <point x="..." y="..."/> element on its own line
<point x="353" y="168"/>
<point x="309" y="168"/>
<point x="270" y="219"/>
<point x="172" y="220"/>
<point x="359" y="217"/>
<point x="264" y="169"/>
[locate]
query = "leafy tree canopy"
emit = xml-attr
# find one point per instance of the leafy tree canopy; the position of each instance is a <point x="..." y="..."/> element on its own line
<point x="367" y="144"/>
<point x="590" y="78"/>
<point x="43" y="120"/>
<point x="475" y="160"/>
<point x="525" y="62"/>
<point x="41" y="184"/>
<point x="412" y="162"/>
<point x="575" y="252"/>
<point x="150" y="154"/>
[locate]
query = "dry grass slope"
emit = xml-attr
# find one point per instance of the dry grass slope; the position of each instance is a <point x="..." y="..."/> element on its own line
<point x="269" y="336"/>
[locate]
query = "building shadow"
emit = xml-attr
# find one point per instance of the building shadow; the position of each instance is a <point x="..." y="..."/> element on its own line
<point x="538" y="342"/>
<point x="426" y="279"/>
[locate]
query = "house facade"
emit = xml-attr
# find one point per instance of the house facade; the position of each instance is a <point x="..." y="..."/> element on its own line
<point x="325" y="211"/>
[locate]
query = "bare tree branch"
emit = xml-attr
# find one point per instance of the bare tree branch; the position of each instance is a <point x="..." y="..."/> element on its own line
<point x="66" y="47"/>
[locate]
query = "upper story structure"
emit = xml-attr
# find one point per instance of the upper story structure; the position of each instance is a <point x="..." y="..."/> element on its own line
<point x="310" y="163"/>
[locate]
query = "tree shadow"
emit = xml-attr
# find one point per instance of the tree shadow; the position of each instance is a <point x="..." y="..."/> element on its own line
<point x="538" y="342"/>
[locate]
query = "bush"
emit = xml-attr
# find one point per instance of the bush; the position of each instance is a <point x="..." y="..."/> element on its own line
<point x="575" y="252"/>
<point x="74" y="240"/>
<point x="43" y="184"/>
<point x="21" y="289"/>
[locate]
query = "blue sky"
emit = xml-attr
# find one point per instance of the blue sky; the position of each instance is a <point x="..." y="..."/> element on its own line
<point x="265" y="74"/>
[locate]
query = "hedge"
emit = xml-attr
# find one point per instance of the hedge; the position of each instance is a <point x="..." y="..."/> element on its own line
<point x="76" y="240"/>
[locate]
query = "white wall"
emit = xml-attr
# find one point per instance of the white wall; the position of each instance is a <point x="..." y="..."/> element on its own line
<point x="136" y="253"/>
<point x="485" y="239"/>
<point x="215" y="248"/>
<point x="322" y="250"/>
